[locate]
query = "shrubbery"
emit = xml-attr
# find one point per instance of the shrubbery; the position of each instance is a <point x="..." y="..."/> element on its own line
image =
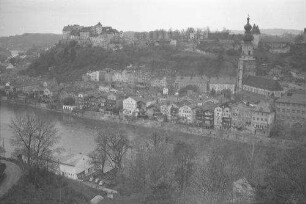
<point x="41" y="186"/>
<point x="2" y="169"/>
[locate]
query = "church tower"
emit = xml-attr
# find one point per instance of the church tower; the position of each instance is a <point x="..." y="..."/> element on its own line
<point x="246" y="64"/>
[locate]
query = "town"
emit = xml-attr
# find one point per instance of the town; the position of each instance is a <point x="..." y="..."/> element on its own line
<point x="197" y="94"/>
<point x="247" y="102"/>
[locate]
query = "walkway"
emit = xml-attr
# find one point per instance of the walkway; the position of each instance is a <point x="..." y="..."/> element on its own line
<point x="12" y="175"/>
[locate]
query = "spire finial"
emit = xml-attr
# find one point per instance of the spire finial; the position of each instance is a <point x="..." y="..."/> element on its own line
<point x="248" y="18"/>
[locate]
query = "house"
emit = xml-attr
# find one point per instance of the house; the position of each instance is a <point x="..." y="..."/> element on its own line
<point x="185" y="113"/>
<point x="208" y="119"/>
<point x="222" y="117"/>
<point x="68" y="108"/>
<point x="114" y="102"/>
<point x="75" y="166"/>
<point x="104" y="88"/>
<point x="218" y="117"/>
<point x="219" y="84"/>
<point x="165" y="91"/>
<point x="291" y="108"/>
<point x="262" y="118"/>
<point x="263" y="86"/>
<point x="129" y="106"/>
<point x="199" y="117"/>
<point x="94" y="76"/>
<point x="241" y="116"/>
<point x="47" y="92"/>
<point x="159" y="82"/>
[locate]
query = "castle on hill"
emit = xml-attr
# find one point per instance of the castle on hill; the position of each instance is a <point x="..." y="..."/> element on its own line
<point x="93" y="35"/>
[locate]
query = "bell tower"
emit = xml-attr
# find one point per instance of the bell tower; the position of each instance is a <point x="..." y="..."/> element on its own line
<point x="246" y="64"/>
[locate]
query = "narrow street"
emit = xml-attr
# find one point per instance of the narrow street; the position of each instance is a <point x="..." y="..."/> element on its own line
<point x="12" y="175"/>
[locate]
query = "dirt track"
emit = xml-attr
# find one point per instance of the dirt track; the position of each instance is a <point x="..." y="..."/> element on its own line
<point x="12" y="175"/>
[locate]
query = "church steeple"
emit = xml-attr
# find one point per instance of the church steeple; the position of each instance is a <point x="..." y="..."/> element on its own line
<point x="248" y="37"/>
<point x="246" y="65"/>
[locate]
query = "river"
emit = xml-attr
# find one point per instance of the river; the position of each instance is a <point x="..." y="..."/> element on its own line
<point x="77" y="134"/>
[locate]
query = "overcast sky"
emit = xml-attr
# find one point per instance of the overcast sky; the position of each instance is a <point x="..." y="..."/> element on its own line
<point x="49" y="16"/>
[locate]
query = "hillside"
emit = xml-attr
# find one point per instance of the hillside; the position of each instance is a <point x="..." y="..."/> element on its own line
<point x="70" y="61"/>
<point x="41" y="186"/>
<point x="28" y="40"/>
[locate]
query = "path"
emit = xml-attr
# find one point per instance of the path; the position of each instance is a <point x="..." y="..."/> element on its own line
<point x="12" y="175"/>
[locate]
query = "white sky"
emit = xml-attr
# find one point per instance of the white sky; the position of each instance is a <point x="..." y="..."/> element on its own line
<point x="49" y="16"/>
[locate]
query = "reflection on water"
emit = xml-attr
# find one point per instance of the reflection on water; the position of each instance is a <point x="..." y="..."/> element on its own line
<point x="77" y="135"/>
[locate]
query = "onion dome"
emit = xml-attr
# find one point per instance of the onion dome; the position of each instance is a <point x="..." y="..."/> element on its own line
<point x="248" y="37"/>
<point x="248" y="26"/>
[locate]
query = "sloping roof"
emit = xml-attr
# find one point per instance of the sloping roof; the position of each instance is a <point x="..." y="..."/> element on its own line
<point x="263" y="83"/>
<point x="263" y="107"/>
<point x="72" y="159"/>
<point x="222" y="80"/>
<point x="297" y="97"/>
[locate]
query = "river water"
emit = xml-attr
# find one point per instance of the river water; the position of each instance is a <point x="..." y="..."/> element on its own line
<point x="77" y="134"/>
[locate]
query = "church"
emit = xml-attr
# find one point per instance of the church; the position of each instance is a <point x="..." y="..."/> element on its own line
<point x="246" y="74"/>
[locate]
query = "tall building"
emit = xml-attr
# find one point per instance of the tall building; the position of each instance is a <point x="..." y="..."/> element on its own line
<point x="246" y="75"/>
<point x="246" y="65"/>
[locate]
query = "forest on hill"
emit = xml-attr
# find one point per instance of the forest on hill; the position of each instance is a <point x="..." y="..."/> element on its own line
<point x="28" y="40"/>
<point x="69" y="61"/>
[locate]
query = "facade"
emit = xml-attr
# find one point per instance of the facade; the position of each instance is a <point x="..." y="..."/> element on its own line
<point x="75" y="166"/>
<point x="291" y="108"/>
<point x="218" y="117"/>
<point x="220" y="84"/>
<point x="129" y="106"/>
<point x="186" y="114"/>
<point x="222" y="117"/>
<point x="246" y="64"/>
<point x="262" y="118"/>
<point x="241" y="116"/>
<point x="165" y="91"/>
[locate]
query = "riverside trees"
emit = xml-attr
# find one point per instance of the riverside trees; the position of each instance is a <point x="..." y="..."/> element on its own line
<point x="34" y="137"/>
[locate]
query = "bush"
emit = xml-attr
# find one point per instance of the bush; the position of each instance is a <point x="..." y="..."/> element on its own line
<point x="2" y="169"/>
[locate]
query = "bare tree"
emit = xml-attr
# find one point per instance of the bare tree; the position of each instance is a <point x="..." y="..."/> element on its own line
<point x="112" y="145"/>
<point x="34" y="137"/>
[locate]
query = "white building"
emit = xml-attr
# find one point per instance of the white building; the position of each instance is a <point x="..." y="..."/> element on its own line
<point x="186" y="113"/>
<point x="75" y="166"/>
<point x="165" y="91"/>
<point x="129" y="106"/>
<point x="94" y="76"/>
<point x="67" y="108"/>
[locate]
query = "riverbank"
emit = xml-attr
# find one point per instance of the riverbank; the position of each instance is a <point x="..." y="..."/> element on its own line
<point x="232" y="135"/>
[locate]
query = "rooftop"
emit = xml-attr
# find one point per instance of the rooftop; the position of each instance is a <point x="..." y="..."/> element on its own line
<point x="296" y="96"/>
<point x="263" y="83"/>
